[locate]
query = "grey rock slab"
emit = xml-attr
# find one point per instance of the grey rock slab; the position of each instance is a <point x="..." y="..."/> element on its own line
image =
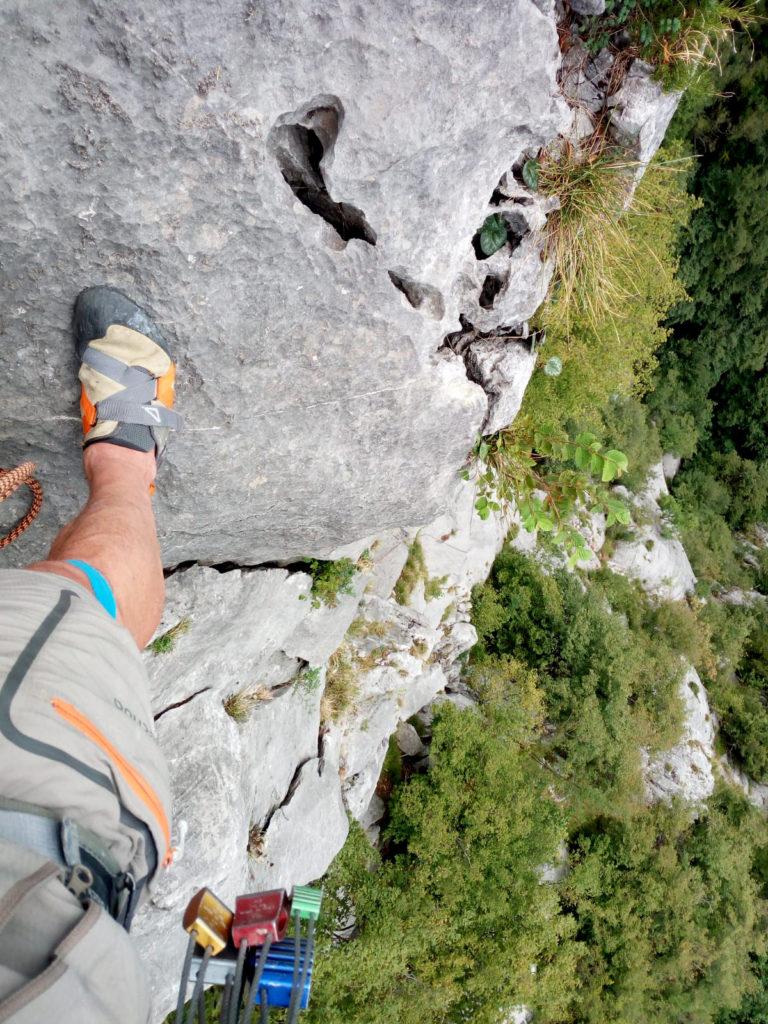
<point x="238" y="624"/>
<point x="588" y="7"/>
<point x="210" y="784"/>
<point x="670" y="464"/>
<point x="685" y="770"/>
<point x="508" y="287"/>
<point x="503" y="369"/>
<point x="658" y="562"/>
<point x="640" y="113"/>
<point x="284" y="731"/>
<point x="319" y="634"/>
<point x="408" y="740"/>
<point x="160" y="148"/>
<point x="305" y="833"/>
<point x="388" y="695"/>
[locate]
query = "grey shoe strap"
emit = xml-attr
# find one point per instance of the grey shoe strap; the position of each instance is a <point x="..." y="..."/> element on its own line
<point x="127" y="411"/>
<point x="133" y="403"/>
<point x="113" y="368"/>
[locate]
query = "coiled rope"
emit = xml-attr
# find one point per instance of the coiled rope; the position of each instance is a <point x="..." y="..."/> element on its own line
<point x="10" y="481"/>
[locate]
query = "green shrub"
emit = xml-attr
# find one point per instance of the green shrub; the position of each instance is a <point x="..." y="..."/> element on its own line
<point x="550" y="479"/>
<point x="667" y="912"/>
<point x="451" y="920"/>
<point x="609" y="683"/>
<point x="740" y="694"/>
<point x="330" y="580"/>
<point x="710" y="379"/>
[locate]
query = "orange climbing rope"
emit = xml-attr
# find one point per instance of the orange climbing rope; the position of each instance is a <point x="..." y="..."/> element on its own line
<point x="10" y="481"/>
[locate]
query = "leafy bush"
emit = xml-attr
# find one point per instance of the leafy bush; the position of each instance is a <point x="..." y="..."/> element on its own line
<point x="711" y="373"/>
<point x="551" y="479"/>
<point x="450" y="921"/>
<point x="740" y="694"/>
<point x="330" y="580"/>
<point x="609" y="683"/>
<point x="666" y="911"/>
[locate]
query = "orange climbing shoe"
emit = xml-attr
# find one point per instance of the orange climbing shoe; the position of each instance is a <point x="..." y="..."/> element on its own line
<point x="126" y="372"/>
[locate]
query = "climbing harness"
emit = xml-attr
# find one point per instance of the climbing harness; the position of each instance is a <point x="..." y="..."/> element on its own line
<point x="10" y="481"/>
<point x="247" y="954"/>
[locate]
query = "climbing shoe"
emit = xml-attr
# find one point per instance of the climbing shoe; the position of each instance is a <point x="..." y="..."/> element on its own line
<point x="126" y="372"/>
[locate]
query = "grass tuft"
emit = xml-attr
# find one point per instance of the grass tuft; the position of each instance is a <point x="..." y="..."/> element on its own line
<point x="165" y="643"/>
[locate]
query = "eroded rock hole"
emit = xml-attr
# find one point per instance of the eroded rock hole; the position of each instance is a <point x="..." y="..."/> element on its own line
<point x="491" y="288"/>
<point x="423" y="297"/>
<point x="302" y="143"/>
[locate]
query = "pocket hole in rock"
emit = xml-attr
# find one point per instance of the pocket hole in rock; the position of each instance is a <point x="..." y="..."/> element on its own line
<point x="303" y="143"/>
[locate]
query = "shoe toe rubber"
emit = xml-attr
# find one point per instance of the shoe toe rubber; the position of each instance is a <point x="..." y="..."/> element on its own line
<point x="99" y="307"/>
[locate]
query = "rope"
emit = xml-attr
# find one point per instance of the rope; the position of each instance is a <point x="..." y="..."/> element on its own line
<point x="10" y="481"/>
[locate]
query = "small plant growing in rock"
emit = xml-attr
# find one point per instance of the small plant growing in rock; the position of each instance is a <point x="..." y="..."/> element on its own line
<point x="414" y="572"/>
<point x="165" y="643"/>
<point x="551" y="480"/>
<point x="330" y="580"/>
<point x="415" y="569"/>
<point x="493" y="234"/>
<point x="433" y="588"/>
<point x="340" y="684"/>
<point x="309" y="679"/>
<point x="239" y="706"/>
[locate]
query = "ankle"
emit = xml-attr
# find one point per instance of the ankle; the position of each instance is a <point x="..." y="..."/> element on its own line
<point x="105" y="461"/>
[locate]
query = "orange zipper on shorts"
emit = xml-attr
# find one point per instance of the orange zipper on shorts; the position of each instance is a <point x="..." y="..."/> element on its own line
<point x="134" y="778"/>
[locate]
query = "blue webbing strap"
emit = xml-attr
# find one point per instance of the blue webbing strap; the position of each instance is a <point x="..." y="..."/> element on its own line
<point x="101" y="589"/>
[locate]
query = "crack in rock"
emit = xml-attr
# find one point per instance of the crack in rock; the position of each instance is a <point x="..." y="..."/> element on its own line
<point x="289" y="794"/>
<point x="303" y="143"/>
<point x="181" y="703"/>
<point x="501" y="362"/>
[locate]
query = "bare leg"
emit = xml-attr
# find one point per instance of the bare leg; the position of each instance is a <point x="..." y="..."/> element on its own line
<point x="116" y="534"/>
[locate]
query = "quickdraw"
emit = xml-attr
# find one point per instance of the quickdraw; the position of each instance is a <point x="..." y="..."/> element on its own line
<point x="248" y="955"/>
<point x="10" y="481"/>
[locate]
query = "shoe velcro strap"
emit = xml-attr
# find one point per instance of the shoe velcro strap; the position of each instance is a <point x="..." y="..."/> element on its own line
<point x="126" y="411"/>
<point x="115" y="369"/>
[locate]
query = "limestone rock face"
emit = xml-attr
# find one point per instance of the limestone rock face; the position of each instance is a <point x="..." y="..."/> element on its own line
<point x="641" y="111"/>
<point x="685" y="771"/>
<point x="653" y="557"/>
<point x="292" y="194"/>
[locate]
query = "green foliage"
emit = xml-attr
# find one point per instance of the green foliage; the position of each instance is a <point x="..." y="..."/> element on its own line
<point x="615" y="282"/>
<point x="609" y="682"/>
<point x="667" y="911"/>
<point x="309" y="679"/>
<point x="754" y="1007"/>
<point x="677" y="39"/>
<point x="551" y="479"/>
<point x="711" y="380"/>
<point x="165" y="643"/>
<point x="451" y="920"/>
<point x="493" y="234"/>
<point x="330" y="580"/>
<point x="624" y="424"/>
<point x="660" y="916"/>
<point x="739" y="692"/>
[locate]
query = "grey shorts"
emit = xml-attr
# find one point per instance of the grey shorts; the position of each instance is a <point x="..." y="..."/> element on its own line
<point x="76" y="728"/>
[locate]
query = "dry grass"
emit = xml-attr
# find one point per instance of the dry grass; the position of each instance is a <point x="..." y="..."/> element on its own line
<point x="165" y="643"/>
<point x="705" y="31"/>
<point x="340" y="684"/>
<point x="239" y="706"/>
